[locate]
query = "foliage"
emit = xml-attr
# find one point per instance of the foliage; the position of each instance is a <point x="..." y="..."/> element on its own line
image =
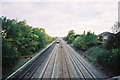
<point x="70" y="37"/>
<point x="98" y="54"/>
<point x="10" y="53"/>
<point x="116" y="27"/>
<point x="113" y="41"/>
<point x="107" y="54"/>
<point x="109" y="59"/>
<point x="85" y="41"/>
<point x="20" y="39"/>
<point x="77" y="41"/>
<point x="114" y="59"/>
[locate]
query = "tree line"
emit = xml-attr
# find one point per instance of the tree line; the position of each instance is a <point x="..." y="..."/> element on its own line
<point x="19" y="40"/>
<point x="107" y="55"/>
<point x="83" y="41"/>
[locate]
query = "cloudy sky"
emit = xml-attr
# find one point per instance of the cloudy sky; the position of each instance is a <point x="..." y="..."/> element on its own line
<point x="58" y="17"/>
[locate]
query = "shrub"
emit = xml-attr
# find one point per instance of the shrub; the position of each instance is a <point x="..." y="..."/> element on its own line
<point x="114" y="59"/>
<point x="84" y="42"/>
<point x="113" y="41"/>
<point x="70" y="37"/>
<point x="76" y="42"/>
<point x="10" y="53"/>
<point x="20" y="39"/>
<point x="109" y="59"/>
<point x="98" y="54"/>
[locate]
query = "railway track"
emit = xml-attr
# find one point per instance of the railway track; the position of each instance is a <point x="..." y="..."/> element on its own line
<point x="30" y="69"/>
<point x="56" y="66"/>
<point x="65" y="63"/>
<point x="58" y="62"/>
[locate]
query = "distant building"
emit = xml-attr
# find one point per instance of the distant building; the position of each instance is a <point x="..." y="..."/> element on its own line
<point x="103" y="37"/>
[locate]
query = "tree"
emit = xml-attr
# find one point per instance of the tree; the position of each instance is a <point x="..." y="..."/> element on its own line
<point x="70" y="37"/>
<point x="85" y="41"/>
<point x="114" y="41"/>
<point x="19" y="40"/>
<point x="116" y="27"/>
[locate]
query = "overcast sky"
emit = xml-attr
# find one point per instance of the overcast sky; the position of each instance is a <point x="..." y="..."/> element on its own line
<point x="59" y="17"/>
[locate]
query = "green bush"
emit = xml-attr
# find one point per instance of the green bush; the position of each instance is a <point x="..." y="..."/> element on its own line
<point x="85" y="41"/>
<point x="109" y="59"/>
<point x="113" y="41"/>
<point x="70" y="37"/>
<point x="20" y="39"/>
<point x="114" y="59"/>
<point x="76" y="42"/>
<point x="98" y="54"/>
<point x="10" y="53"/>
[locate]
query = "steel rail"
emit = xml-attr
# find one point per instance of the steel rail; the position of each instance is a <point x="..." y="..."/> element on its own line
<point x="75" y="65"/>
<point x="27" y="69"/>
<point x="82" y="68"/>
<point x="47" y="63"/>
<point x="80" y="61"/>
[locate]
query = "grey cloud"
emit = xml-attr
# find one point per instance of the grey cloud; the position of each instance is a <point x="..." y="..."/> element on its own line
<point x="58" y="18"/>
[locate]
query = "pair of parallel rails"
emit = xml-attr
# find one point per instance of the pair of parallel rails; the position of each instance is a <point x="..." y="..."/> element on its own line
<point x="62" y="62"/>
